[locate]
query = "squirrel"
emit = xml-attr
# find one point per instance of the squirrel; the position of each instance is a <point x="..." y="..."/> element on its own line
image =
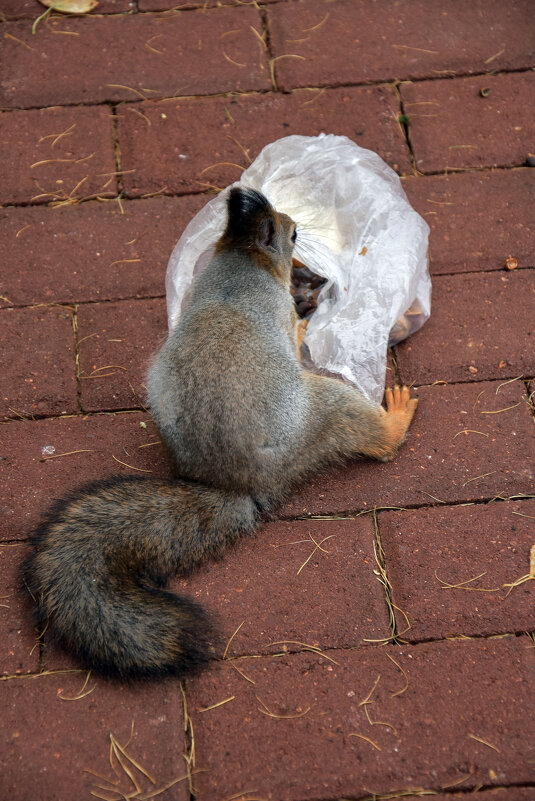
<point x="242" y="423"/>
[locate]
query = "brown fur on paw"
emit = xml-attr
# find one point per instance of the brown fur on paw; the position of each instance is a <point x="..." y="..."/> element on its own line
<point x="400" y="409"/>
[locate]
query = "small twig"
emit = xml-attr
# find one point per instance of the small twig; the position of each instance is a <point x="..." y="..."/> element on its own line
<point x="15" y="39"/>
<point x="418" y="49"/>
<point x="504" y="383"/>
<point x="399" y="692"/>
<point x="461" y="585"/>
<point x="123" y="261"/>
<point x="56" y="137"/>
<point x="367" y="699"/>
<point x="438" y="500"/>
<point x="319" y="25"/>
<point x="220" y="703"/>
<point x="362" y="737"/>
<point x="483" y="475"/>
<point x="232" y="637"/>
<point x="81" y="694"/>
<point x="480" y="740"/>
<point x="469" y="431"/>
<point x="494" y="56"/>
<point x="379" y="722"/>
<point x="231" y="60"/>
<point x="131" y="467"/>
<point x="499" y="411"/>
<point x="318" y="546"/>
<point x="242" y="674"/>
<point x="154" y="49"/>
<point x="267" y="711"/>
<point x="455" y="783"/>
<point x="67" y="453"/>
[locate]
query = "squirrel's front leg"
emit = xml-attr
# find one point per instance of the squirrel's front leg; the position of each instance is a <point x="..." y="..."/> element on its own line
<point x="342" y="423"/>
<point x="400" y="409"/>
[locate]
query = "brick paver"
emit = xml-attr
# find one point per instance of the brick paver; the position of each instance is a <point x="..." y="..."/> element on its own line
<point x="359" y="41"/>
<point x="477" y="220"/>
<point x="93" y="251"/>
<point x="116" y="127"/>
<point x="80" y="720"/>
<point x="56" y="154"/>
<point x="490" y="544"/>
<point x="116" y="342"/>
<point x="467" y="341"/>
<point x="442" y="456"/>
<point x="452" y="126"/>
<point x="171" y="6"/>
<point x="38" y="347"/>
<point x="30" y="479"/>
<point x="515" y="793"/>
<point x="425" y="733"/>
<point x="265" y="587"/>
<point x="20" y="651"/>
<point x="132" y="56"/>
<point x="232" y="131"/>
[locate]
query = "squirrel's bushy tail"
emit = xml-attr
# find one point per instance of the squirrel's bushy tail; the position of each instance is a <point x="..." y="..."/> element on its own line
<point x="101" y="557"/>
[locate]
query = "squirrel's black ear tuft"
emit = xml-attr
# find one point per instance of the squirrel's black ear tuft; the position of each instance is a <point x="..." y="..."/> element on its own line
<point x="249" y="215"/>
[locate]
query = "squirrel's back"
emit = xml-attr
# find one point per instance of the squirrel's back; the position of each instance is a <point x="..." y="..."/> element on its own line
<point x="225" y="389"/>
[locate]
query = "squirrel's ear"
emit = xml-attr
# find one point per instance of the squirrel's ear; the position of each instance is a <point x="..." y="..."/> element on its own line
<point x="266" y="233"/>
<point x="250" y="217"/>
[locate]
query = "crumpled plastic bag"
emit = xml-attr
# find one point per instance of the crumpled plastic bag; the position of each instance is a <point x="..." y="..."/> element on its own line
<point x="355" y="227"/>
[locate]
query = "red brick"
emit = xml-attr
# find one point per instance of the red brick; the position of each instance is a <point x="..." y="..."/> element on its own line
<point x="56" y="747"/>
<point x="30" y="481"/>
<point x="187" y="54"/>
<point x="166" y="157"/>
<point x="92" y="251"/>
<point x="435" y="461"/>
<point x="20" y="649"/>
<point x="477" y="219"/>
<point x="453" y="127"/>
<point x="170" y="5"/>
<point x="85" y="152"/>
<point x="357" y="41"/>
<point x="485" y="690"/>
<point x="38" y="377"/>
<point x="513" y="793"/>
<point x="458" y="544"/>
<point x="123" y="335"/>
<point x="481" y="326"/>
<point x="258" y="585"/>
<point x="18" y="9"/>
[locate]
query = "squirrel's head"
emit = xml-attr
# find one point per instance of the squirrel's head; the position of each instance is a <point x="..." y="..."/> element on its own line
<point x="255" y="226"/>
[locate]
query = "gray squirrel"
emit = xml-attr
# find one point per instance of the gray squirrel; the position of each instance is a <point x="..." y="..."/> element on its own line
<point x="242" y="422"/>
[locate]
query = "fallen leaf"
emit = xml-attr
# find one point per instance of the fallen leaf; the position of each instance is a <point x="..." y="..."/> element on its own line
<point x="70" y="6"/>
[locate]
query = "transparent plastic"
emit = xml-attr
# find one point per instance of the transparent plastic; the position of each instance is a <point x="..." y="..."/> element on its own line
<point x="355" y="227"/>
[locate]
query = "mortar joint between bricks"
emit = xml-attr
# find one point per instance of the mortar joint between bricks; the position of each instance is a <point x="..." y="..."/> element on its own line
<point x="189" y="742"/>
<point x="397" y="375"/>
<point x="77" y="358"/>
<point x="117" y="148"/>
<point x="269" y="49"/>
<point x="383" y="578"/>
<point x="530" y="396"/>
<point x="404" y="124"/>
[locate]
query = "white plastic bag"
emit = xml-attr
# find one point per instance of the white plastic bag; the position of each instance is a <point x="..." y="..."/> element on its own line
<point x="355" y="227"/>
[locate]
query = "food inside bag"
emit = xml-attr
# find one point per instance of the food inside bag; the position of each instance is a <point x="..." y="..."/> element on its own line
<point x="360" y="270"/>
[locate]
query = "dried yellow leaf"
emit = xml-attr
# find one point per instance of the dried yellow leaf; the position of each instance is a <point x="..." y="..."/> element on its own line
<point x="70" y="6"/>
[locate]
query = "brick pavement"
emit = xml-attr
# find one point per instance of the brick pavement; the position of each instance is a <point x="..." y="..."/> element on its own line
<point x="393" y="661"/>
